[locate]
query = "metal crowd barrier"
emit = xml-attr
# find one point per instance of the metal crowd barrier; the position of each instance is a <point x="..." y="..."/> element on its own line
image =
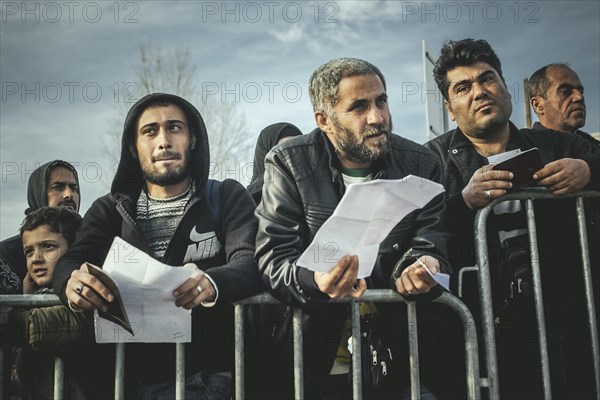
<point x="30" y="301"/>
<point x="471" y="345"/>
<point x="373" y="296"/>
<point x="490" y="365"/>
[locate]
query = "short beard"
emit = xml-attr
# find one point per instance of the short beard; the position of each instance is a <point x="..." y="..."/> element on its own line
<point x="171" y="177"/>
<point x="356" y="152"/>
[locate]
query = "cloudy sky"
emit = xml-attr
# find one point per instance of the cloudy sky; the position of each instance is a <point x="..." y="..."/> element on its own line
<point x="65" y="67"/>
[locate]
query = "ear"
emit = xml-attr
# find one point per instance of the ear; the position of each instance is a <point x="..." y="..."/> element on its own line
<point x="537" y="105"/>
<point x="193" y="146"/>
<point x="449" y="109"/>
<point x="322" y="121"/>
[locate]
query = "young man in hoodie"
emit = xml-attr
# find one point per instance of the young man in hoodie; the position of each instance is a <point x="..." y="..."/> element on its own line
<point x="162" y="202"/>
<point x="54" y="184"/>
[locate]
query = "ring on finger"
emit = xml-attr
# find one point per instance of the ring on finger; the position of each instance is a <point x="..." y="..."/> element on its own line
<point x="199" y="288"/>
<point x="488" y="194"/>
<point x="78" y="289"/>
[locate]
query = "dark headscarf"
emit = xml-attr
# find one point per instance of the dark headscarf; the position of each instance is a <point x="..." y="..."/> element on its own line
<point x="267" y="139"/>
<point x="37" y="188"/>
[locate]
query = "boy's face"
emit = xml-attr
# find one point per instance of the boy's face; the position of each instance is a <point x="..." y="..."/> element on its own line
<point x="43" y="248"/>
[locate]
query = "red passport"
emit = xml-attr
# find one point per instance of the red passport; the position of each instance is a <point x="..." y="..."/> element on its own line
<point x="523" y="166"/>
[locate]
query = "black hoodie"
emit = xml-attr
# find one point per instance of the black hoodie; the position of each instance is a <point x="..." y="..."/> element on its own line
<point x="11" y="249"/>
<point x="233" y="268"/>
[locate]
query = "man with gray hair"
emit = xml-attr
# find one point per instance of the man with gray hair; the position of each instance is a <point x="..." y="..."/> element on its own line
<point x="305" y="179"/>
<point x="556" y="96"/>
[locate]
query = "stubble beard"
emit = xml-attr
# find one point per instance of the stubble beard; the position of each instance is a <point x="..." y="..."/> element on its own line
<point x="171" y="176"/>
<point x="356" y="152"/>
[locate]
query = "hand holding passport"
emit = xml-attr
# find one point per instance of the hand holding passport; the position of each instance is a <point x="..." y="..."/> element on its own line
<point x="523" y="166"/>
<point x="116" y="310"/>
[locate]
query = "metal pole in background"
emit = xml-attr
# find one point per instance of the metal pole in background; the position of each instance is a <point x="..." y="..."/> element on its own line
<point x="527" y="100"/>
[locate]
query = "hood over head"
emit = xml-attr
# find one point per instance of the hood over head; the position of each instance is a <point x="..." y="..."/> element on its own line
<point x="37" y="187"/>
<point x="267" y="139"/>
<point x="128" y="179"/>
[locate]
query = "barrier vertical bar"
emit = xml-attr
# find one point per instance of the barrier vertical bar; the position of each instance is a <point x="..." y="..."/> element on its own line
<point x="538" y="298"/>
<point x="180" y="371"/>
<point x="474" y="383"/>
<point x="239" y="352"/>
<point x="589" y="290"/>
<point x="120" y="371"/>
<point x="485" y="298"/>
<point x="59" y="378"/>
<point x="413" y="350"/>
<point x="298" y="355"/>
<point x="356" y="351"/>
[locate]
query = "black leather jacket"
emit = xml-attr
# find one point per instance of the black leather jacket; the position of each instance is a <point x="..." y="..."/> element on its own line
<point x="303" y="185"/>
<point x="578" y="132"/>
<point x="460" y="161"/>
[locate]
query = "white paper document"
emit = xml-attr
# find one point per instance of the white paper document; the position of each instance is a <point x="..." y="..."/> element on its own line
<point x="146" y="286"/>
<point x="362" y="220"/>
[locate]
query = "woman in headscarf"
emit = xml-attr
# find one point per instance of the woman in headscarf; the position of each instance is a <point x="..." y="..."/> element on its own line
<point x="268" y="138"/>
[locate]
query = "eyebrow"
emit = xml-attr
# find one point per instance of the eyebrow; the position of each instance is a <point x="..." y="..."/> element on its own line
<point x="570" y="86"/>
<point x="170" y="121"/>
<point x="63" y="183"/>
<point x="361" y="101"/>
<point x="42" y="242"/>
<point x="465" y="81"/>
<point x="357" y="102"/>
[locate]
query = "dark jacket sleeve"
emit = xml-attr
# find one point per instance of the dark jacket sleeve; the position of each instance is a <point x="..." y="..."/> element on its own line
<point x="281" y="237"/>
<point x="100" y="225"/>
<point x="238" y="278"/>
<point x="590" y="153"/>
<point x="50" y="327"/>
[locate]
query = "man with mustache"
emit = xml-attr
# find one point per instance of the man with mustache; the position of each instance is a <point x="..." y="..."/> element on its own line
<point x="54" y="184"/>
<point x="556" y="96"/>
<point x="304" y="181"/>
<point x="469" y="76"/>
<point x="163" y="203"/>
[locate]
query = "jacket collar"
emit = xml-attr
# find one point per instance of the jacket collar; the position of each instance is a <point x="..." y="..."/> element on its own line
<point x="459" y="139"/>
<point x="463" y="154"/>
